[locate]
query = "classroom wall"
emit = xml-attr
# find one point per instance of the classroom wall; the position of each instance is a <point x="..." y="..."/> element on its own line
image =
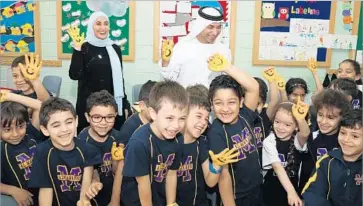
<point x="143" y="68"/>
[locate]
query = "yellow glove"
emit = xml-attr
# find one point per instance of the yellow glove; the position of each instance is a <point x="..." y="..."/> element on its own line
<point x="117" y="152"/>
<point x="31" y="69"/>
<point x="167" y="49"/>
<point x="3" y="94"/>
<point x="300" y="109"/>
<point x="312" y="65"/>
<point x="218" y="63"/>
<point x="225" y="157"/>
<point x="280" y="81"/>
<point x="269" y="74"/>
<point x="77" y="39"/>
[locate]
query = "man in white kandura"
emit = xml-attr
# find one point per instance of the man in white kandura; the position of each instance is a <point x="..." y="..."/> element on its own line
<point x="186" y="63"/>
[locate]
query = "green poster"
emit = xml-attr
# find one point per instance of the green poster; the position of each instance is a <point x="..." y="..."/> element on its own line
<point x="360" y="33"/>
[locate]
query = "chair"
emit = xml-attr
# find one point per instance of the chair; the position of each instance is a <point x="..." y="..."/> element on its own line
<point x="53" y="84"/>
<point x="135" y="92"/>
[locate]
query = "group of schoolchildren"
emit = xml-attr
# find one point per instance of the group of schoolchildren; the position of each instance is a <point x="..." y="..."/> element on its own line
<point x="281" y="153"/>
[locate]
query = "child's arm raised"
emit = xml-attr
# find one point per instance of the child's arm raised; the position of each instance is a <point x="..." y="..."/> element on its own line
<point x="219" y="63"/>
<point x="300" y="110"/>
<point x="270" y="75"/>
<point x="312" y="65"/>
<point x="31" y="72"/>
<point x="26" y="101"/>
<point x="144" y="188"/>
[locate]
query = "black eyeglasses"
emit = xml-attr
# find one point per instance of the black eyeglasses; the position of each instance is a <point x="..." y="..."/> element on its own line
<point x="98" y="118"/>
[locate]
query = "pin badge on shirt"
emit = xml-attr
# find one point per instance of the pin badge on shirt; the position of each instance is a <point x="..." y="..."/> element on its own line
<point x="100" y="56"/>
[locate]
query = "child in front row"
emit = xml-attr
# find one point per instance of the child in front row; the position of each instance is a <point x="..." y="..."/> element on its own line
<point x="195" y="168"/>
<point x="101" y="114"/>
<point x="281" y="157"/>
<point x="62" y="165"/>
<point x="153" y="152"/>
<point x="330" y="105"/>
<point x="19" y="141"/>
<point x="337" y="179"/>
<point x="234" y="99"/>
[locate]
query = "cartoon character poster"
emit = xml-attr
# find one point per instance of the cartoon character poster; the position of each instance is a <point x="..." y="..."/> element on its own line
<point x="18" y="27"/>
<point x="77" y="13"/>
<point x="176" y="20"/>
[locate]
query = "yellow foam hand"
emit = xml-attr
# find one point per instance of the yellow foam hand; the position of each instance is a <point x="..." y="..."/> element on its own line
<point x="300" y="109"/>
<point x="225" y="157"/>
<point x="31" y="69"/>
<point x="167" y="49"/>
<point x="117" y="152"/>
<point x="280" y="81"/>
<point x="3" y="94"/>
<point x="77" y="39"/>
<point x="218" y="63"/>
<point x="312" y="65"/>
<point x="269" y="74"/>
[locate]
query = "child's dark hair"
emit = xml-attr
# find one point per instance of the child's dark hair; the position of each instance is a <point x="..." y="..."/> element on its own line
<point x="263" y="89"/>
<point x="18" y="60"/>
<point x="225" y="82"/>
<point x="346" y="85"/>
<point x="331" y="99"/>
<point x="198" y="96"/>
<point x="13" y="111"/>
<point x="101" y="98"/>
<point x="145" y="91"/>
<point x="294" y="83"/>
<point x="291" y="167"/>
<point x="355" y="65"/>
<point x="53" y="105"/>
<point x="168" y="91"/>
<point x="352" y="119"/>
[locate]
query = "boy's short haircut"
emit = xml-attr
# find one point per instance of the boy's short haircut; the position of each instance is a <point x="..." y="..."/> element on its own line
<point x="198" y="97"/>
<point x="225" y="82"/>
<point x="263" y="89"/>
<point x="346" y="85"/>
<point x="331" y="98"/>
<point x="294" y="83"/>
<point x="53" y="105"/>
<point x="145" y="91"/>
<point x="355" y="65"/>
<point x="198" y="89"/>
<point x="352" y="119"/>
<point x="18" y="60"/>
<point x="168" y="91"/>
<point x="13" y="111"/>
<point x="101" y="98"/>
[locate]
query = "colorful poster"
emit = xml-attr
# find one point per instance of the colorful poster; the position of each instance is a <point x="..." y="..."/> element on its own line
<point x="340" y="41"/>
<point x="18" y="27"/>
<point x="344" y="21"/>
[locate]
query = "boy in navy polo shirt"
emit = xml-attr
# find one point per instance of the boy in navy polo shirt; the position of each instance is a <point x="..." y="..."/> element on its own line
<point x="153" y="153"/>
<point x="63" y="165"/>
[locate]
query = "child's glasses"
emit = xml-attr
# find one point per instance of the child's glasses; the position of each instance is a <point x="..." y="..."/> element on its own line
<point x="99" y="118"/>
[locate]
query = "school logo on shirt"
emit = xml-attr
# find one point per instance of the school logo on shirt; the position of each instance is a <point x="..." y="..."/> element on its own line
<point x="162" y="167"/>
<point x="358" y="179"/>
<point x="243" y="143"/>
<point x="26" y="161"/>
<point x="321" y="152"/>
<point x="71" y="181"/>
<point x="259" y="136"/>
<point x="355" y="103"/>
<point x="106" y="167"/>
<point x="184" y="169"/>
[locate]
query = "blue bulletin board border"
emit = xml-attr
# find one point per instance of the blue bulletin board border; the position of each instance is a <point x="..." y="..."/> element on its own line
<point x="296" y="9"/>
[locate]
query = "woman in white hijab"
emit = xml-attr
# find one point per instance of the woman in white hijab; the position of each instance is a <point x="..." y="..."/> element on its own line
<point x="97" y="65"/>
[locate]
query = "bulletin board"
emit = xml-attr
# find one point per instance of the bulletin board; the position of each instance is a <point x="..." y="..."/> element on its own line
<point x="288" y="33"/>
<point x="173" y="20"/>
<point x="122" y="23"/>
<point x="19" y="28"/>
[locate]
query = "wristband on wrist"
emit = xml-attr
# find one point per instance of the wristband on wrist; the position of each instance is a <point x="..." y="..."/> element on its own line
<point x="214" y="171"/>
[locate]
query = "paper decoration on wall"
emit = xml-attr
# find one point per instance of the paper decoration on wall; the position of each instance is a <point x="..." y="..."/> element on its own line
<point x="19" y="27"/>
<point x="336" y="41"/>
<point x="175" y="21"/>
<point x="291" y="32"/>
<point x="120" y="14"/>
<point x="346" y="15"/>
